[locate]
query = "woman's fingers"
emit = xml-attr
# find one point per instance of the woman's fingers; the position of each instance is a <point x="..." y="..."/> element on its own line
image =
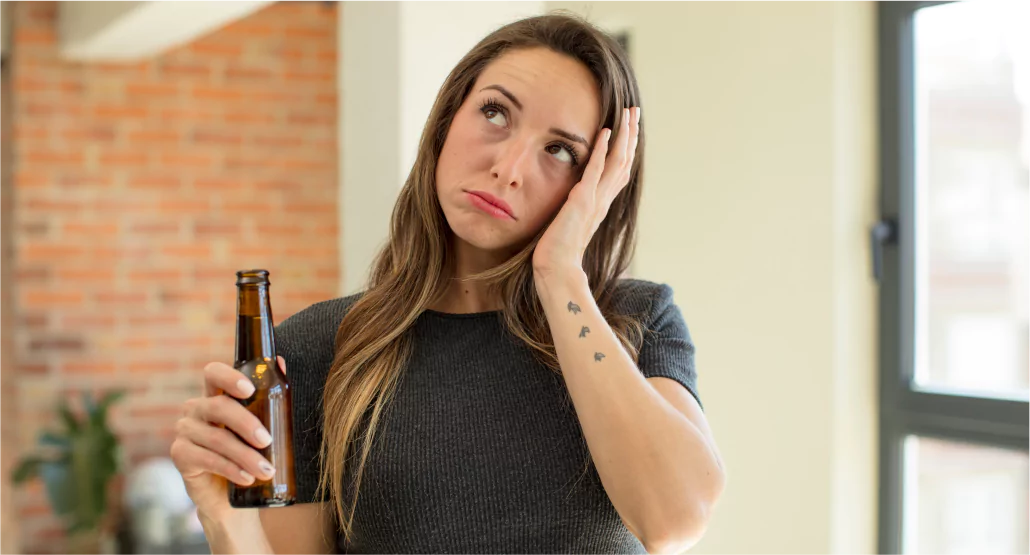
<point x="193" y="460"/>
<point x="225" y="444"/>
<point x="221" y="410"/>
<point x="220" y="377"/>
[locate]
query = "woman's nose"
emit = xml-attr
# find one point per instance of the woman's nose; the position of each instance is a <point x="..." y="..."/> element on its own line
<point x="509" y="167"/>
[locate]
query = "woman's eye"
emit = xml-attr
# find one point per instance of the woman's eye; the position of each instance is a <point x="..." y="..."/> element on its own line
<point x="568" y="158"/>
<point x="491" y="113"/>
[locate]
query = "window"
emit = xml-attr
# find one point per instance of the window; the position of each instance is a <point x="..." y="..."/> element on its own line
<point x="953" y="259"/>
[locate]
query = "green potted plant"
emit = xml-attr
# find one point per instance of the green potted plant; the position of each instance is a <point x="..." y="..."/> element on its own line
<point x="77" y="465"/>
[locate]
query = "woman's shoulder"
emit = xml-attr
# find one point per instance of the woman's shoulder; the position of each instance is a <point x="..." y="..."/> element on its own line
<point x="312" y="331"/>
<point x="640" y="296"/>
<point x="320" y="315"/>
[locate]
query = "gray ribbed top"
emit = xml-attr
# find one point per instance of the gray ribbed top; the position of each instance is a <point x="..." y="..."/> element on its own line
<point x="479" y="452"/>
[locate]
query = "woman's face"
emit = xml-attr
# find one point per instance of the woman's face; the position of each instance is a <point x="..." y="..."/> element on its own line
<point x="522" y="136"/>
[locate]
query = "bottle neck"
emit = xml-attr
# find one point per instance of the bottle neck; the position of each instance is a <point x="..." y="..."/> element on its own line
<point x="255" y="337"/>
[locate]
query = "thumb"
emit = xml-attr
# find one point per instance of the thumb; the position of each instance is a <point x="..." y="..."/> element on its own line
<point x="282" y="363"/>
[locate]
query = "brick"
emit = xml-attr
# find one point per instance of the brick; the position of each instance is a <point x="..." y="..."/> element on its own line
<point x="158" y="137"/>
<point x="91" y="274"/>
<point x="235" y="73"/>
<point x="297" y="76"/>
<point x="33" y="320"/>
<point x="74" y="367"/>
<point x="301" y="119"/>
<point x="91" y="321"/>
<point x="32" y="369"/>
<point x="51" y="299"/>
<point x="310" y="32"/>
<point x="155" y="228"/>
<point x="197" y="113"/>
<point x="121" y="298"/>
<point x="34" y="252"/>
<point x="81" y="179"/>
<point x="92" y="229"/>
<point x="31" y="180"/>
<point x="151" y="367"/>
<point x="152" y="90"/>
<point x="276" y="97"/>
<point x="206" y="48"/>
<point x="282" y="229"/>
<point x="118" y="255"/>
<point x="96" y="133"/>
<point x="124" y="158"/>
<point x="25" y="133"/>
<point x="216" y="229"/>
<point x="309" y="208"/>
<point x="154" y="320"/>
<point x="180" y="70"/>
<point x="154" y="275"/>
<point x="184" y="206"/>
<point x="48" y="206"/>
<point x="184" y="296"/>
<point x="218" y="94"/>
<point x="34" y="229"/>
<point x="51" y="157"/>
<point x="326" y="99"/>
<point x="155" y="182"/>
<point x="218" y="184"/>
<point x="242" y="207"/>
<point x="279" y="141"/>
<point x="187" y="160"/>
<point x="210" y="137"/>
<point x="252" y="252"/>
<point x="121" y="112"/>
<point x="34" y="36"/>
<point x="195" y="251"/>
<point x="240" y="118"/>
<point x="32" y="274"/>
<point x="56" y="344"/>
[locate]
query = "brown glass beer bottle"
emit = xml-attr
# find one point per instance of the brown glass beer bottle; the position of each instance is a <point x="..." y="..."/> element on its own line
<point x="255" y="357"/>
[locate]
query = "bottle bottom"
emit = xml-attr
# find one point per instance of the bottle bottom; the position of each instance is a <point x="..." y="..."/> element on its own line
<point x="258" y="501"/>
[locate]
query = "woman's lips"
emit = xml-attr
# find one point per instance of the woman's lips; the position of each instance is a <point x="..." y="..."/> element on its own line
<point x="482" y="204"/>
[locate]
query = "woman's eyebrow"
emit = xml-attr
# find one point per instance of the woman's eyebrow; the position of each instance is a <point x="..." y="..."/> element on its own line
<point x="560" y="132"/>
<point x="505" y="92"/>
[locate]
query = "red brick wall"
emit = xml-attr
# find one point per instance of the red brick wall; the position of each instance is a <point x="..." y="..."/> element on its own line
<point x="8" y="427"/>
<point x="139" y="189"/>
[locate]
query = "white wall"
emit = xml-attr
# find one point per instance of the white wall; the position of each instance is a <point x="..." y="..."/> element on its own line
<point x="760" y="187"/>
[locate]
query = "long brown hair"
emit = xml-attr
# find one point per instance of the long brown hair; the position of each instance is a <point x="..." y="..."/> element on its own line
<point x="373" y="341"/>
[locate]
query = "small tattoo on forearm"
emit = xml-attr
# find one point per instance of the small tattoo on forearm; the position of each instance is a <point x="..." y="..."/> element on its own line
<point x="583" y="332"/>
<point x="598" y="357"/>
<point x="574" y="308"/>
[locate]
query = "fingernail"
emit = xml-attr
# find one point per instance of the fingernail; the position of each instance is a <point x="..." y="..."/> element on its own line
<point x="262" y="437"/>
<point x="247" y="477"/>
<point x="267" y="469"/>
<point x="245" y="386"/>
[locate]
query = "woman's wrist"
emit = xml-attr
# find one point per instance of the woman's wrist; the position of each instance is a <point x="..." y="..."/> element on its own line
<point x="234" y="531"/>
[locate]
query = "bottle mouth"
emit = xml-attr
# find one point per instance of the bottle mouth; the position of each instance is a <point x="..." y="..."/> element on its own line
<point x="252" y="277"/>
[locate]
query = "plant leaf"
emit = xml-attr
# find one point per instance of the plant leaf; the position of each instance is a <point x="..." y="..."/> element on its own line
<point x="99" y="417"/>
<point x="70" y="422"/>
<point x="27" y="469"/>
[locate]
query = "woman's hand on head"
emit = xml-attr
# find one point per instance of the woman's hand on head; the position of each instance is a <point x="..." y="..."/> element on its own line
<point x="563" y="245"/>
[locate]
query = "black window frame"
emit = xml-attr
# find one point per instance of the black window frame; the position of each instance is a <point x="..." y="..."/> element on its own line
<point x="904" y="410"/>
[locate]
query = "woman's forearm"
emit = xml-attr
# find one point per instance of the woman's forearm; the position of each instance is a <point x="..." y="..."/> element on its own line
<point x="241" y="532"/>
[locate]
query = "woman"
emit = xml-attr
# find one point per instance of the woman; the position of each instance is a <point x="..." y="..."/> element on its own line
<point x="497" y="387"/>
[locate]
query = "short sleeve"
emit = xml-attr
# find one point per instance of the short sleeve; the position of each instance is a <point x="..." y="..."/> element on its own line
<point x="668" y="350"/>
<point x="306" y="398"/>
<point x="306" y="340"/>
